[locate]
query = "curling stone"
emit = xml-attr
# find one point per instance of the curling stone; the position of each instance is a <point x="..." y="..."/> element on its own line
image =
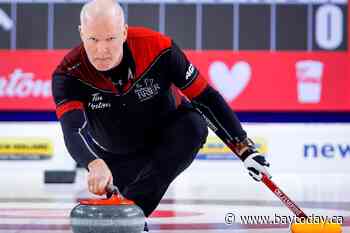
<point x="112" y="215"/>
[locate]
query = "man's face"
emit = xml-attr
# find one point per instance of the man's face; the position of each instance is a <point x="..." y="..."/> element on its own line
<point x="103" y="41"/>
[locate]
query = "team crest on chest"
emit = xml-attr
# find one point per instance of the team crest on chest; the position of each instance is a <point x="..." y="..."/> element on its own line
<point x="146" y="89"/>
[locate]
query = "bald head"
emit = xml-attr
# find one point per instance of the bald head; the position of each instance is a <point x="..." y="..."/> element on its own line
<point x="103" y="32"/>
<point x="102" y="10"/>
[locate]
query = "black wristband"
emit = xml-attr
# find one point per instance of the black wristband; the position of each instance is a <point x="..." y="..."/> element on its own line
<point x="248" y="152"/>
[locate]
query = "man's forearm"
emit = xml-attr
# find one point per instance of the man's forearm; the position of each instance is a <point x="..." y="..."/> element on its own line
<point x="73" y="127"/>
<point x="222" y="120"/>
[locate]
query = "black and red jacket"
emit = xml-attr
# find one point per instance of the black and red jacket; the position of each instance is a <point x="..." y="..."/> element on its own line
<point x="118" y="110"/>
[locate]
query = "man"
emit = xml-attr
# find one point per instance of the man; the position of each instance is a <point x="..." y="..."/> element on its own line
<point x="122" y="115"/>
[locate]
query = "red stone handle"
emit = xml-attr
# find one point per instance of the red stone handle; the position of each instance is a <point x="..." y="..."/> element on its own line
<point x="116" y="198"/>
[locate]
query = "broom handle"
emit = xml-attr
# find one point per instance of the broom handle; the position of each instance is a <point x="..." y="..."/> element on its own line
<point x="283" y="197"/>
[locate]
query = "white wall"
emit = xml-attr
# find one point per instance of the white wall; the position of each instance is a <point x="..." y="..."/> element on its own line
<point x="290" y="148"/>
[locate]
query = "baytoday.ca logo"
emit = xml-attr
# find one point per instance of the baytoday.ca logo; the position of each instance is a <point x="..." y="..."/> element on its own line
<point x="326" y="150"/>
<point x="23" y="84"/>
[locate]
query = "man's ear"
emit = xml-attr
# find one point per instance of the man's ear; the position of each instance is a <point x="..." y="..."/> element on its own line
<point x="125" y="36"/>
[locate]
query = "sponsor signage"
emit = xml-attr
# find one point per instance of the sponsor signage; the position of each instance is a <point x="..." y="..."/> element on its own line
<point x="25" y="79"/>
<point x="309" y="148"/>
<point x="25" y="148"/>
<point x="326" y="150"/>
<point x="249" y="81"/>
<point x="35" y="146"/>
<point x="289" y="148"/>
<point x="281" y="81"/>
<point x="215" y="149"/>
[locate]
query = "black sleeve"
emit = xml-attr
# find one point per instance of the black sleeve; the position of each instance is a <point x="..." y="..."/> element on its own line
<point x="219" y="116"/>
<point x="181" y="71"/>
<point x="73" y="125"/>
<point x="69" y="108"/>
<point x="206" y="100"/>
<point x="65" y="88"/>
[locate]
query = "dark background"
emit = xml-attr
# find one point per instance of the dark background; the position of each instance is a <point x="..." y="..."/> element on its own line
<point x="193" y="26"/>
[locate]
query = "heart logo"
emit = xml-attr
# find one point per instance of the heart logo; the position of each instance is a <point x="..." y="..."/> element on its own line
<point x="230" y="82"/>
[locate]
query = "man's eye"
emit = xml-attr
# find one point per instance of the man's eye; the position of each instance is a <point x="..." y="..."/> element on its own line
<point x="92" y="39"/>
<point x="111" y="39"/>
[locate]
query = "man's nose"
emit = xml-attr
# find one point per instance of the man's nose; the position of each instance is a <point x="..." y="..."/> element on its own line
<point x="102" y="47"/>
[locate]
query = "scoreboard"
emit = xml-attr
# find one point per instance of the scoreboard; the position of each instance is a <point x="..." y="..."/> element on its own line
<point x="304" y="25"/>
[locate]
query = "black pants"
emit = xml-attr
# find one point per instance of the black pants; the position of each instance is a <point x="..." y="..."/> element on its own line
<point x="145" y="176"/>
